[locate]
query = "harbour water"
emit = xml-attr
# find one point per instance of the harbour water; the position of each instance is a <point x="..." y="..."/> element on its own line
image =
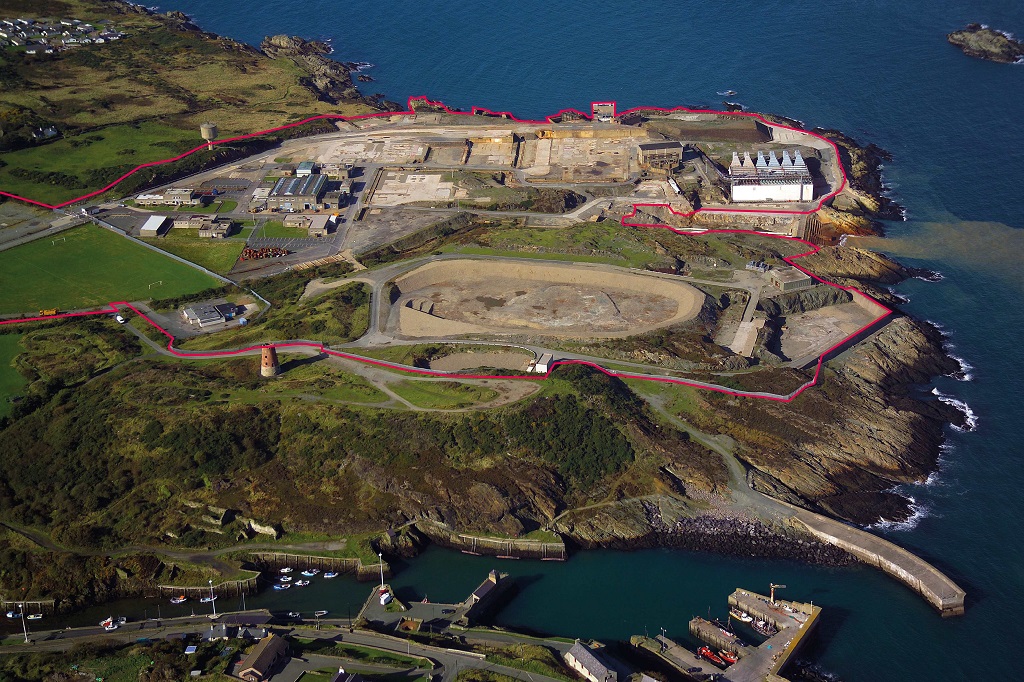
<point x="881" y="72"/>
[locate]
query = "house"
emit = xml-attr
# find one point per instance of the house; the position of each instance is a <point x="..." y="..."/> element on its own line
<point x="587" y="662"/>
<point x="260" y="662"/>
<point x="225" y="631"/>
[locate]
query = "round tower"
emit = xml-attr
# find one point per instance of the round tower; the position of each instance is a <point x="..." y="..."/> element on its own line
<point x="209" y="133"/>
<point x="269" y="366"/>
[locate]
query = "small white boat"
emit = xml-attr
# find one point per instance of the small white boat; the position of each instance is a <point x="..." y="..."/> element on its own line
<point x="181" y="599"/>
<point x="282" y="587"/>
<point x="12" y="614"/>
<point x="110" y="628"/>
<point x="285" y="579"/>
<point x="287" y="570"/>
<point x="122" y="620"/>
<point x="207" y="600"/>
<point x="330" y="574"/>
<point x="294" y="614"/>
<point x="311" y="572"/>
<point x="35" y="616"/>
<point x="301" y="583"/>
<point x="319" y="614"/>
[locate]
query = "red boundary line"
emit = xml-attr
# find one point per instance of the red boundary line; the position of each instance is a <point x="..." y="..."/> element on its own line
<point x="113" y="307"/>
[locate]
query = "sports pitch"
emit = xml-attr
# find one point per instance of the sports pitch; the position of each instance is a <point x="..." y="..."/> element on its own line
<point x="86" y="267"/>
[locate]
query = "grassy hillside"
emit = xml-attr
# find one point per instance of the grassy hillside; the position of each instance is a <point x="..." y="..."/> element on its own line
<point x="134" y="100"/>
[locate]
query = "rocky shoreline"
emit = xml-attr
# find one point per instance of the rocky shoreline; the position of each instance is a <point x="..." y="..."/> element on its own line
<point x="982" y="42"/>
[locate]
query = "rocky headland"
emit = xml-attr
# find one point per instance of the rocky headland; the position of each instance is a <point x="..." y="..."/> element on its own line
<point x="976" y="40"/>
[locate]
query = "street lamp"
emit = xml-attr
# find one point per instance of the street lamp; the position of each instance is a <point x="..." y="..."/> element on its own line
<point x="24" y="627"/>
<point x="380" y="556"/>
<point x="213" y="599"/>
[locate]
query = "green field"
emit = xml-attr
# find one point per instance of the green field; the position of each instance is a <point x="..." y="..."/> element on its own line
<point x="11" y="382"/>
<point x="275" y="228"/>
<point x="218" y="255"/>
<point x="90" y="267"/>
<point x="442" y="395"/>
<point x="82" y="158"/>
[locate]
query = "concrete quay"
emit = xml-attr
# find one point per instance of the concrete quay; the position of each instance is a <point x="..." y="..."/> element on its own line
<point x="756" y="664"/>
<point x="937" y="588"/>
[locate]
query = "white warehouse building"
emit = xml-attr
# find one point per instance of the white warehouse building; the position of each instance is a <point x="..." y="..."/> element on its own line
<point x="769" y="179"/>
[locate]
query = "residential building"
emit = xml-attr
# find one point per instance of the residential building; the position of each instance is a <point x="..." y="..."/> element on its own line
<point x="259" y="664"/>
<point x="588" y="662"/>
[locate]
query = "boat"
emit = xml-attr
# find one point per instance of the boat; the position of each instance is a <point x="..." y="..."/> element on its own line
<point x="12" y="614"/>
<point x="287" y="569"/>
<point x="301" y="583"/>
<point x="285" y="579"/>
<point x="724" y="627"/>
<point x="710" y="655"/>
<point x="294" y="614"/>
<point x="207" y="600"/>
<point x="282" y="587"/>
<point x="180" y="599"/>
<point x="109" y="621"/>
<point x="311" y="572"/>
<point x="729" y="657"/>
<point x="727" y="93"/>
<point x="330" y="574"/>
<point x="122" y="620"/>
<point x="763" y="627"/>
<point x="319" y="614"/>
<point x="35" y="616"/>
<point x="741" y="616"/>
<point x="111" y="627"/>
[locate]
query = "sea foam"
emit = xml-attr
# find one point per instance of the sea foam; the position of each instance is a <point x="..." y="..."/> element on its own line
<point x="970" y="418"/>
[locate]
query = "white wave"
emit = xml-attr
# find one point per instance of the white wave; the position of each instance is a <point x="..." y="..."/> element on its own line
<point x="932" y="276"/>
<point x="902" y="298"/>
<point x="917" y="513"/>
<point x="964" y="373"/>
<point x="970" y="418"/>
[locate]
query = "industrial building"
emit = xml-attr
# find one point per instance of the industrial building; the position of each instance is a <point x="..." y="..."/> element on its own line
<point x="661" y="154"/>
<point x="153" y="226"/>
<point x="298" y="194"/>
<point x="194" y="221"/>
<point x="305" y="169"/>
<point x="176" y="196"/>
<point x="788" y="278"/>
<point x="206" y="314"/>
<point x="768" y="179"/>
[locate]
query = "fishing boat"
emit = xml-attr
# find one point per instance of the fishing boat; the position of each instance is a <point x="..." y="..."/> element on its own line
<point x="108" y="621"/>
<point x="710" y="655"/>
<point x="729" y="657"/>
<point x="286" y="569"/>
<point x="285" y="579"/>
<point x="301" y="583"/>
<point x="35" y="616"/>
<point x="330" y="574"/>
<point x="724" y="627"/>
<point x="741" y="616"/>
<point x="180" y="599"/>
<point x="207" y="600"/>
<point x="319" y="614"/>
<point x="282" y="587"/>
<point x="727" y="93"/>
<point x="763" y="627"/>
<point x="311" y="572"/>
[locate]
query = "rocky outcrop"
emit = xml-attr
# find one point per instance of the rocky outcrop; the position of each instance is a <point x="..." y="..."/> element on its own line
<point x="866" y="193"/>
<point x="802" y="301"/>
<point x="982" y="42"/>
<point x="328" y="80"/>
<point x="845" y="264"/>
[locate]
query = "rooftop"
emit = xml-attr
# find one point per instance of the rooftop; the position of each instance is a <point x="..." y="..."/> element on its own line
<point x="310" y="185"/>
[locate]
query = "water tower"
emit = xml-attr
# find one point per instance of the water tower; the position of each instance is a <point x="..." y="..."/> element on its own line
<point x="209" y="133"/>
<point x="269" y="366"/>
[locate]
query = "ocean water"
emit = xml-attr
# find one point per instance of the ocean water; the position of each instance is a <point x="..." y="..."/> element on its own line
<point x="881" y="72"/>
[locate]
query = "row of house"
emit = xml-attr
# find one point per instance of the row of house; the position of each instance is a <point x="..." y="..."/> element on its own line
<point x="174" y="196"/>
<point x="46" y="36"/>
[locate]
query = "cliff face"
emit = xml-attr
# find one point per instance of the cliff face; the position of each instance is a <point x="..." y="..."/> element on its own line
<point x="978" y="41"/>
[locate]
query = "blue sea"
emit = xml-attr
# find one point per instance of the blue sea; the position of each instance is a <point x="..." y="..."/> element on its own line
<point x="881" y="72"/>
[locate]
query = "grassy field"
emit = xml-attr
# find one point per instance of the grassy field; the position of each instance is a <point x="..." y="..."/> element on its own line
<point x="89" y="268"/>
<point x="318" y="380"/>
<point x="275" y="228"/>
<point x="11" y="382"/>
<point x="442" y="395"/>
<point x="218" y="255"/>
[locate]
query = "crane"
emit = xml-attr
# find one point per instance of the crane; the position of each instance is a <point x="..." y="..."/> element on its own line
<point x="773" y="588"/>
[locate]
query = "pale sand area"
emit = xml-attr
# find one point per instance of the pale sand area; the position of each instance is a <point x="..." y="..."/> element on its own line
<point x="457" y="297"/>
<point x="457" y="362"/>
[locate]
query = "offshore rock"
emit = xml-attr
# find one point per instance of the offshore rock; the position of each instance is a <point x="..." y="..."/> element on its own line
<point x="985" y="43"/>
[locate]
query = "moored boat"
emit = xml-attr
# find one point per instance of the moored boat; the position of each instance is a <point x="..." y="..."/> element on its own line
<point x="12" y="614"/>
<point x="287" y="569"/>
<point x="319" y="614"/>
<point x="763" y="627"/>
<point x="311" y="572"/>
<point x="285" y="579"/>
<point x="330" y="574"/>
<point x="180" y="599"/>
<point x="282" y="587"/>
<point x="207" y="600"/>
<point x="301" y="583"/>
<point x="34" y="616"/>
<point x="710" y="655"/>
<point x="729" y="657"/>
<point x="741" y="616"/>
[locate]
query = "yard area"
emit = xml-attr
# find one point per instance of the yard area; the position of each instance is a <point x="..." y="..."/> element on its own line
<point x="86" y="267"/>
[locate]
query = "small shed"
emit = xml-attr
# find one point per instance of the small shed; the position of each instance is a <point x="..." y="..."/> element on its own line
<point x="789" y="278"/>
<point x="153" y="226"/>
<point x="543" y="365"/>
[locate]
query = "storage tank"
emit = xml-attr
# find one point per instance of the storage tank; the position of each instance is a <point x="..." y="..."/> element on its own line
<point x="209" y="133"/>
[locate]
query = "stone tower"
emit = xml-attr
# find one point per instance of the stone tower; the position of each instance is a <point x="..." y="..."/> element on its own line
<point x="269" y="366"/>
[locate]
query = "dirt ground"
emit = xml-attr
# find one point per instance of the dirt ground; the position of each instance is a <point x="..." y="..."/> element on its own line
<point x="501" y="360"/>
<point x="464" y="297"/>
